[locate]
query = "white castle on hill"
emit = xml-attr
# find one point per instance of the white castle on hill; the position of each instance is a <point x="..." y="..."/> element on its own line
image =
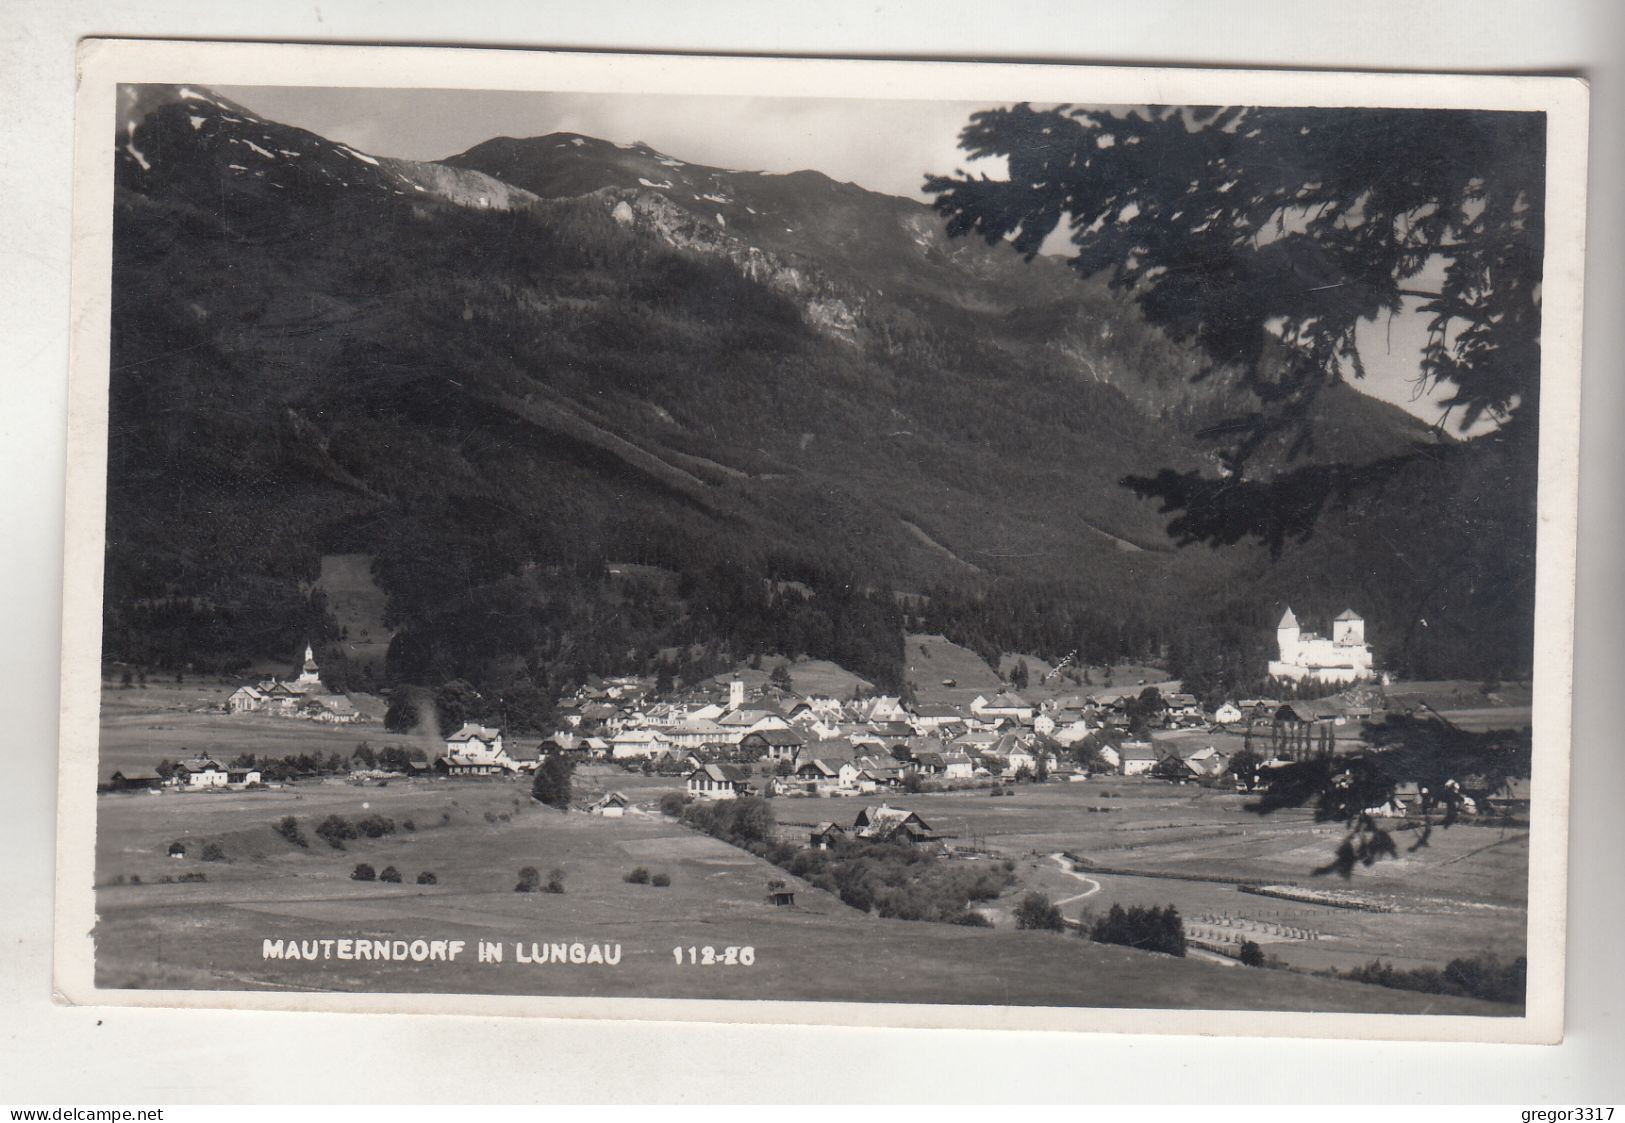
<point x="1346" y="657"/>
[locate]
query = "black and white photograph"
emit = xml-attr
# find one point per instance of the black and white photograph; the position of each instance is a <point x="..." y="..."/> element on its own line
<point x="934" y="545"/>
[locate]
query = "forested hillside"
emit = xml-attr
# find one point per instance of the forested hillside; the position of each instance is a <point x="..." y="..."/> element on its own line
<point x="500" y="375"/>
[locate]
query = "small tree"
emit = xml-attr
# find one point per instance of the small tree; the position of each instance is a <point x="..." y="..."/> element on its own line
<point x="1036" y="912"/>
<point x="1251" y="954"/>
<point x="555" y="881"/>
<point x="427" y="878"/>
<point x="212" y="852"/>
<point x="363" y="872"/>
<point x="552" y="783"/>
<point x="660" y="880"/>
<point x="389" y="873"/>
<point x="781" y="677"/>
<point x="639" y="876"/>
<point x="530" y="878"/>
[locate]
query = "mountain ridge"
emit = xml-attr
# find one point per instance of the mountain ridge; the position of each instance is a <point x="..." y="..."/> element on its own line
<point x="471" y="372"/>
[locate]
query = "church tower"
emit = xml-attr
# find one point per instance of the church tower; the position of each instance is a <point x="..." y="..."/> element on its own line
<point x="309" y="678"/>
<point x="736" y="694"/>
<point x="1287" y="633"/>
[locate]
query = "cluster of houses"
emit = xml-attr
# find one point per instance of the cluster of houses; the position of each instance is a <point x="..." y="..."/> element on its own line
<point x="199" y="773"/>
<point x="769" y="741"/>
<point x="305" y="697"/>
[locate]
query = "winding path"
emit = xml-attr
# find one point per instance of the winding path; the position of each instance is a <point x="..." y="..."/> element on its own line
<point x="1066" y="867"/>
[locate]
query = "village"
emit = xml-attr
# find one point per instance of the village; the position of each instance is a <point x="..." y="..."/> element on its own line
<point x="722" y="739"/>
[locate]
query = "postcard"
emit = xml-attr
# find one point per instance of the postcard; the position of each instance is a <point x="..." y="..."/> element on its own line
<point x="770" y="540"/>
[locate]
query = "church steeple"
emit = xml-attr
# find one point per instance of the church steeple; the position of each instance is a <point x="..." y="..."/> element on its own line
<point x="310" y="675"/>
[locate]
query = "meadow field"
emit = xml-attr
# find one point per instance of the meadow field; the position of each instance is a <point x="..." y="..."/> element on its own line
<point x="1462" y="894"/>
<point x="474" y="836"/>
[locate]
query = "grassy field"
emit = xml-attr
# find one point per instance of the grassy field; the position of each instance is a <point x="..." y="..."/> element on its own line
<point x="929" y="661"/>
<point x="1463" y="895"/>
<point x="807" y="676"/>
<point x="209" y="935"/>
<point x="357" y="603"/>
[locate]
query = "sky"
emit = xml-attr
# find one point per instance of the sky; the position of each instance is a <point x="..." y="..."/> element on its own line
<point x="886" y="146"/>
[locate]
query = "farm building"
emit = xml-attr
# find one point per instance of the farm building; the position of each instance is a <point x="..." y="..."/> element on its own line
<point x="772" y="744"/>
<point x="134" y="781"/>
<point x="892" y="824"/>
<point x="1137" y="758"/>
<point x="198" y="772"/>
<point x="611" y="805"/>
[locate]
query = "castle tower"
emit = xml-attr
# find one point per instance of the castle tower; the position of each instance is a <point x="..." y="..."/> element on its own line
<point x="309" y="677"/>
<point x="1287" y="633"/>
<point x="736" y="694"/>
<point x="1348" y="628"/>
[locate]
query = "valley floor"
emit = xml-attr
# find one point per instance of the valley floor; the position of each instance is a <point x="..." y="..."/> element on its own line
<point x="1462" y="895"/>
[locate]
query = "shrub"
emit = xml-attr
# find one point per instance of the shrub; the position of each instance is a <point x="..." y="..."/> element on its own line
<point x="135" y="879"/>
<point x="376" y="826"/>
<point x="529" y="879"/>
<point x="389" y="873"/>
<point x="212" y="852"/>
<point x="672" y="804"/>
<point x="288" y="828"/>
<point x="427" y="878"/>
<point x="970" y="918"/>
<point x="1036" y="912"/>
<point x="995" y="790"/>
<point x="1251" y="954"/>
<point x="334" y="830"/>
<point x="490" y="817"/>
<point x="408" y="825"/>
<point x="363" y="872"/>
<point x="555" y="881"/>
<point x="639" y="876"/>
<point x="660" y="880"/>
<point x="196" y="875"/>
